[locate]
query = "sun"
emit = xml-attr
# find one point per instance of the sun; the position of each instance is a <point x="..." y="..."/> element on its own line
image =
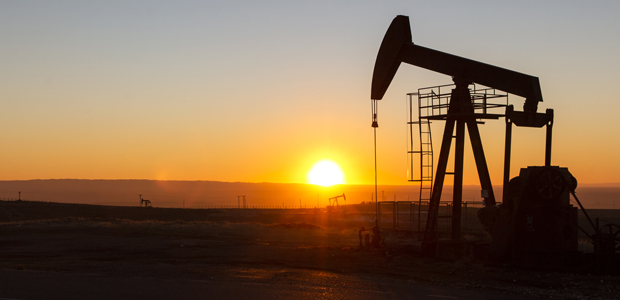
<point x="325" y="173"/>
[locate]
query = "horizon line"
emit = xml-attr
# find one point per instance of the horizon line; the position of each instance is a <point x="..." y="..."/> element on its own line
<point x="265" y="182"/>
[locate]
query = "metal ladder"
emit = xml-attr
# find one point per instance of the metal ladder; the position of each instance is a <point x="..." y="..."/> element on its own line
<point x="420" y="151"/>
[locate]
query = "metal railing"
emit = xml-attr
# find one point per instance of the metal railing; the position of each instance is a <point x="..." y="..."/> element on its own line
<point x="434" y="101"/>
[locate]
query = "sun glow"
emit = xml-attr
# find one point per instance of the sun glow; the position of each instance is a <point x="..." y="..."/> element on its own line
<point x="325" y="173"/>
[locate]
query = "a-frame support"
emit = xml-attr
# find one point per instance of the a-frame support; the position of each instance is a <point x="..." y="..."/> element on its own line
<point x="460" y="114"/>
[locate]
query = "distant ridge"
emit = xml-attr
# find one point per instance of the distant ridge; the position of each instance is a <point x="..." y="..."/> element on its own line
<point x="171" y="193"/>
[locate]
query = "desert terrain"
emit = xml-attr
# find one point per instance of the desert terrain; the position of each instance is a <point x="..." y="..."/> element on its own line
<point x="288" y="247"/>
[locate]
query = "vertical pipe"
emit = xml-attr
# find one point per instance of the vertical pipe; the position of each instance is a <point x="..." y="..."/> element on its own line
<point x="457" y="196"/>
<point x="548" y="144"/>
<point x="507" y="149"/>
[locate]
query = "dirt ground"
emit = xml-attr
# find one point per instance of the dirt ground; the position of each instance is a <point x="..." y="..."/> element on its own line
<point x="252" y="245"/>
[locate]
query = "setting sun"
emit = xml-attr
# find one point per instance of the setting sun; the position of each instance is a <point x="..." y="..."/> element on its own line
<point x="325" y="173"/>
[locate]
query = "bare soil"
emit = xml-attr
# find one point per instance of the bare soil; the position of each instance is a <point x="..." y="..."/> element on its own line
<point x="253" y="245"/>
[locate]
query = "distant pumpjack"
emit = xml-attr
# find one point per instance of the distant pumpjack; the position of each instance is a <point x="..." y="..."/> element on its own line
<point x="397" y="46"/>
<point x="147" y="203"/>
<point x="333" y="201"/>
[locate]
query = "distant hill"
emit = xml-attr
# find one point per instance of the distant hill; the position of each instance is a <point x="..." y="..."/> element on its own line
<point x="195" y="193"/>
<point x="215" y="193"/>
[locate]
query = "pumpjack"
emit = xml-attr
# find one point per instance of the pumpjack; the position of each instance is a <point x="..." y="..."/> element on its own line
<point x="333" y="201"/>
<point x="536" y="214"/>
<point x="145" y="202"/>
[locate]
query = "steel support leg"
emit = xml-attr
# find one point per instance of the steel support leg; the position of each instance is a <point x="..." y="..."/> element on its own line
<point x="457" y="196"/>
<point x="433" y="206"/>
<point x="481" y="162"/>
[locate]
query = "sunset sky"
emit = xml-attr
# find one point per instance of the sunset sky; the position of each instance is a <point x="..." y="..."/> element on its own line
<point x="258" y="91"/>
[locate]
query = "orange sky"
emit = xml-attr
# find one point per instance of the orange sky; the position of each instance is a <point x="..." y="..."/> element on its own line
<point x="259" y="93"/>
